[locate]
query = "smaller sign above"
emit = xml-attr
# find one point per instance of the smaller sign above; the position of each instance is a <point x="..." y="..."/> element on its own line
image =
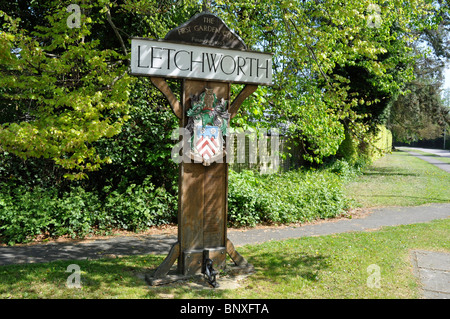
<point x="207" y="29"/>
<point x="176" y="60"/>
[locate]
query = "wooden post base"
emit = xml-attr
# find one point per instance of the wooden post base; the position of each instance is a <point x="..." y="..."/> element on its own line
<point x="165" y="275"/>
<point x="174" y="276"/>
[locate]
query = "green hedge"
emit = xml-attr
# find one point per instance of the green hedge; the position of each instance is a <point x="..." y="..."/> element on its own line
<point x="382" y="142"/>
<point x="25" y="214"/>
<point x="295" y="196"/>
<point x="353" y="151"/>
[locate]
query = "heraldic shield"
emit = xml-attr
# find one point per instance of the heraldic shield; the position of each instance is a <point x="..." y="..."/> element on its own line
<point x="207" y="124"/>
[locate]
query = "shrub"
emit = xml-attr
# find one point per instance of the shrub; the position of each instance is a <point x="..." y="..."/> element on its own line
<point x="348" y="150"/>
<point x="77" y="214"/>
<point x="141" y="206"/>
<point x="26" y="213"/>
<point x="356" y="152"/>
<point x="295" y="196"/>
<point x="382" y="142"/>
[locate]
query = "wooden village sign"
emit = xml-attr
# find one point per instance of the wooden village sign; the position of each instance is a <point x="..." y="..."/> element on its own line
<point x="208" y="57"/>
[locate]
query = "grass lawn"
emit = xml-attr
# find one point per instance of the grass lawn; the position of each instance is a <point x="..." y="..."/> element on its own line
<point x="400" y="179"/>
<point x="334" y="266"/>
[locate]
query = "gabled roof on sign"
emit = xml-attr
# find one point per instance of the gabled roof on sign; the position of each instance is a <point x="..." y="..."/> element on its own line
<point x="207" y="29"/>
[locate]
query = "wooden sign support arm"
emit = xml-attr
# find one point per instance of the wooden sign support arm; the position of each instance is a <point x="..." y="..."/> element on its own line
<point x="162" y="85"/>
<point x="177" y="108"/>
<point x="245" y="93"/>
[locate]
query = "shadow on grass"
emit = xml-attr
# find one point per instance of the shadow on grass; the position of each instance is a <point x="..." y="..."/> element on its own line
<point x="388" y="171"/>
<point x="274" y="268"/>
<point x="123" y="277"/>
<point x="424" y="199"/>
<point x="101" y="278"/>
<point x="281" y="266"/>
<point x="397" y="170"/>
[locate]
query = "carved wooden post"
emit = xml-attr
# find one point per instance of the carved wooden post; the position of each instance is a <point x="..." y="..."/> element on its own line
<point x="205" y="111"/>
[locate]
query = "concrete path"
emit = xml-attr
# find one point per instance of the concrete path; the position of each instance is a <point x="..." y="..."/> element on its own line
<point x="433" y="159"/>
<point x="433" y="269"/>
<point x="389" y="216"/>
<point x="160" y="244"/>
<point x="434" y="151"/>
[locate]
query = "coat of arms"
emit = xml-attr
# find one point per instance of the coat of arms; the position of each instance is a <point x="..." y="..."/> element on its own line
<point x="208" y="123"/>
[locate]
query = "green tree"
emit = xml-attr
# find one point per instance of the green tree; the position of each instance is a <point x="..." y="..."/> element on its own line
<point x="68" y="91"/>
<point x="420" y="113"/>
<point x="335" y="65"/>
<point x="63" y="89"/>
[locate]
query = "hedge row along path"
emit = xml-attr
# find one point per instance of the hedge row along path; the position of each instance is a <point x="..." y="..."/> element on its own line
<point x="160" y="244"/>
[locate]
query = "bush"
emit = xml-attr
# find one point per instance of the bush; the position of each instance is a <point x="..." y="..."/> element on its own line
<point x="357" y="152"/>
<point x="26" y="213"/>
<point x="141" y="206"/>
<point x="382" y="142"/>
<point x="348" y="150"/>
<point x="295" y="196"/>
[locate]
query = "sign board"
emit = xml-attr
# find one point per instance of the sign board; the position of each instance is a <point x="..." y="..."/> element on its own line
<point x="176" y="60"/>
<point x="207" y="29"/>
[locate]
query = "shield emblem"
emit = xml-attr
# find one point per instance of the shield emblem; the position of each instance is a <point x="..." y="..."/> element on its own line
<point x="208" y="142"/>
<point x="207" y="124"/>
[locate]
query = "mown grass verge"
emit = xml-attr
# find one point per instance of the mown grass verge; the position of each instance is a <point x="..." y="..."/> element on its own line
<point x="400" y="179"/>
<point x="333" y="266"/>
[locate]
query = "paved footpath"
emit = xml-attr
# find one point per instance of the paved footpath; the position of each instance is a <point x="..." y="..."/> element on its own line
<point x="160" y="244"/>
<point x="434" y="151"/>
<point x="432" y="159"/>
<point x="433" y="270"/>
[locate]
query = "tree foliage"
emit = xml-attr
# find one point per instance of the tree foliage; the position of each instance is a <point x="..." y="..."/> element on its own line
<point x="420" y="113"/>
<point x="64" y="88"/>
<point x="61" y="89"/>
<point x="69" y="108"/>
<point x="336" y="66"/>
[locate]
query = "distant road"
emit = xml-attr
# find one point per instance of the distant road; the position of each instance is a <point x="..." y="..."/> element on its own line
<point x="434" y="151"/>
<point x="433" y="159"/>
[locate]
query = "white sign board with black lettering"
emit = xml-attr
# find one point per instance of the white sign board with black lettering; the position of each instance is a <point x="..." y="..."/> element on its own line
<point x="176" y="60"/>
